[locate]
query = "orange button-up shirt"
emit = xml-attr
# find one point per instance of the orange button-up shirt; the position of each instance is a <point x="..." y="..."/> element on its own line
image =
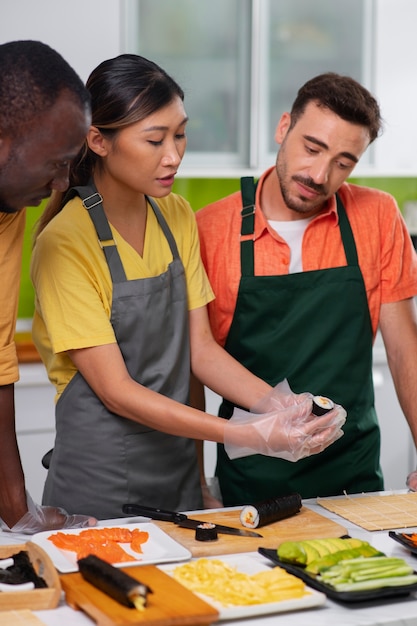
<point x="387" y="259"/>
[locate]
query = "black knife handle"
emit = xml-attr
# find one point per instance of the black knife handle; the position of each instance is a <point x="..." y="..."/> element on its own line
<point x="148" y="511"/>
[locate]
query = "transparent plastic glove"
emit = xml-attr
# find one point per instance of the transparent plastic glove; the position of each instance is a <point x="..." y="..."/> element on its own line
<point x="289" y="433"/>
<point x="280" y="397"/>
<point x="411" y="481"/>
<point x="39" y="518"/>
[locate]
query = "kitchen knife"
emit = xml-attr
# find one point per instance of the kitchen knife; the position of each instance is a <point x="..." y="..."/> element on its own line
<point x="182" y="520"/>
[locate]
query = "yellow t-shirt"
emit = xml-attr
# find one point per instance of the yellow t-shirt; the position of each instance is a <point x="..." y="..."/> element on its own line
<point x="12" y="226"/>
<point x="73" y="284"/>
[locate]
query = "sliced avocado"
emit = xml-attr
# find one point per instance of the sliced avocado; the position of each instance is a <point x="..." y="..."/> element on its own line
<point x="292" y="552"/>
<point x="353" y="542"/>
<point x="316" y="567"/>
<point x="320" y="545"/>
<point x="337" y="543"/>
<point x="311" y="552"/>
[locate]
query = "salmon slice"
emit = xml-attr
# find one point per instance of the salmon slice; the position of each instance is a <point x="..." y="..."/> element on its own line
<point x="120" y="535"/>
<point x="139" y="537"/>
<point x="102" y="542"/>
<point x="111" y="552"/>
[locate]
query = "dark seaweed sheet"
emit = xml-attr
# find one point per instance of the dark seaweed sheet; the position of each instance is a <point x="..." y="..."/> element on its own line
<point x="22" y="571"/>
<point x="278" y="508"/>
<point x="338" y="596"/>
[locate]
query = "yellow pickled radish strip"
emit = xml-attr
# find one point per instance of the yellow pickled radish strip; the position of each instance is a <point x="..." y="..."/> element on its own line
<point x="223" y="583"/>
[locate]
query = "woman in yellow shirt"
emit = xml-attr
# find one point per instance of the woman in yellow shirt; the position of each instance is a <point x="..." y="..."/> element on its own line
<point x="121" y="317"/>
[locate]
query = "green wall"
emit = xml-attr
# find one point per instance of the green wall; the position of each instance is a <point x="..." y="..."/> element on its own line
<point x="199" y="192"/>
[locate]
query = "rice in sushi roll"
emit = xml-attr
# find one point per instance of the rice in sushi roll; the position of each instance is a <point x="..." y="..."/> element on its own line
<point x="321" y="405"/>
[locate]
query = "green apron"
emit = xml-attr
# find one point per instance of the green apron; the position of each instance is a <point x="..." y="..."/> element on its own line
<point x="314" y="329"/>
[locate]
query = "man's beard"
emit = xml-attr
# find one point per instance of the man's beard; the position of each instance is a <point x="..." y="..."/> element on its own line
<point x="298" y="205"/>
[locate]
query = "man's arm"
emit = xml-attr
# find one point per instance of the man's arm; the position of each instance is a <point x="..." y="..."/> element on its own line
<point x="398" y="324"/>
<point x="12" y="485"/>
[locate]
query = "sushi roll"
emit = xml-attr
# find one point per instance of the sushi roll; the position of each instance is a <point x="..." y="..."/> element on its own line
<point x="114" y="582"/>
<point x="321" y="405"/>
<point x="206" y="532"/>
<point x="269" y="511"/>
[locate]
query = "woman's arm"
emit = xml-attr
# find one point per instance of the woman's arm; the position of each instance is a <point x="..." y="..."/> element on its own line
<point x="105" y="371"/>
<point x="217" y="369"/>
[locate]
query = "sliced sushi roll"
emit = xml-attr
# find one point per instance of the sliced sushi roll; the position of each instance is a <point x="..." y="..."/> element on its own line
<point x="206" y="532"/>
<point x="269" y="511"/>
<point x="321" y="405"/>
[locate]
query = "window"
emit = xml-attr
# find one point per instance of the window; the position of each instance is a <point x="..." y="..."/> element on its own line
<point x="240" y="63"/>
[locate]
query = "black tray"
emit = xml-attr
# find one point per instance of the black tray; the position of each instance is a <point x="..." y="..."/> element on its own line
<point x="402" y="539"/>
<point x="338" y="596"/>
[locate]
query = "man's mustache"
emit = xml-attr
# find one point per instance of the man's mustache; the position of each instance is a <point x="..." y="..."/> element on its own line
<point x="309" y="182"/>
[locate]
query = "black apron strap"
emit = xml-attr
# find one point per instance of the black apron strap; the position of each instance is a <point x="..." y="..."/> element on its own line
<point x="347" y="235"/>
<point x="248" y="189"/>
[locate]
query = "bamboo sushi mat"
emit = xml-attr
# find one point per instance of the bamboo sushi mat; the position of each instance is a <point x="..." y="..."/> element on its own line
<point x="376" y="512"/>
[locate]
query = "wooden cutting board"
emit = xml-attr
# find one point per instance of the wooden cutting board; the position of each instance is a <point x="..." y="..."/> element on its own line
<point x="170" y="604"/>
<point x="22" y="617"/>
<point x="304" y="525"/>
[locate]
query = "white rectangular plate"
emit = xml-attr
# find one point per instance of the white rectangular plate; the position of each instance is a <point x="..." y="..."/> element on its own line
<point x="160" y="547"/>
<point x="252" y="563"/>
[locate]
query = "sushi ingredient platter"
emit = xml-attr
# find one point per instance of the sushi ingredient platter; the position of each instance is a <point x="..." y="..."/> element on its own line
<point x="239" y="586"/>
<point x="159" y="547"/>
<point x="375" y="594"/>
<point x="169" y="604"/>
<point x="405" y="540"/>
<point x="33" y="599"/>
<point x="375" y="512"/>
<point x="306" y="524"/>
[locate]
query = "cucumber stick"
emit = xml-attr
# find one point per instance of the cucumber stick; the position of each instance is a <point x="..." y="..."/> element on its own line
<point x="368" y="573"/>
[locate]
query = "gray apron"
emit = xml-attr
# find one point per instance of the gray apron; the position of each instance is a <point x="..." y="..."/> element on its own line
<point x="101" y="460"/>
<point x="314" y="329"/>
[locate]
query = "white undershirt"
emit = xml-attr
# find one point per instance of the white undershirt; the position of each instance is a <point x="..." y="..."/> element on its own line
<point x="293" y="232"/>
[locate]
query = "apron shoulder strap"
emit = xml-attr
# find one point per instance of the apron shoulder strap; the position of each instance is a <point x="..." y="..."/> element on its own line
<point x="93" y="202"/>
<point x="346" y="234"/>
<point x="164" y="226"/>
<point x="248" y="190"/>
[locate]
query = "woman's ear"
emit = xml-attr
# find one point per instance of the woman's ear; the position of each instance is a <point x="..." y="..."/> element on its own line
<point x="96" y="142"/>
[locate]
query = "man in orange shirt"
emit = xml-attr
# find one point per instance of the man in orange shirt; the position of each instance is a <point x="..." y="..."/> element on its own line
<point x="305" y="268"/>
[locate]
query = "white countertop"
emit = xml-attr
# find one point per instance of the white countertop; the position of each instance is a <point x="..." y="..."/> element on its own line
<point x="393" y="612"/>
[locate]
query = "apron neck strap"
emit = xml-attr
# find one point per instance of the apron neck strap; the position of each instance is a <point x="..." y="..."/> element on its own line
<point x="247" y="230"/>
<point x="93" y="202"/>
<point x="247" y="261"/>
<point x="346" y="234"/>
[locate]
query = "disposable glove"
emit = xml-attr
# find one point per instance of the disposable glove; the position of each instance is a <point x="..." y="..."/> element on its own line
<point x="411" y="481"/>
<point x="288" y="430"/>
<point x="39" y="518"/>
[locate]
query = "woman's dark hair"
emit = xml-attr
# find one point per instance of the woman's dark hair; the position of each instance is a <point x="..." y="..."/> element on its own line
<point x="344" y="96"/>
<point x="124" y="90"/>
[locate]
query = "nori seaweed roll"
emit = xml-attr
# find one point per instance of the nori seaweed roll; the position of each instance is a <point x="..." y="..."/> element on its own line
<point x="270" y="510"/>
<point x="321" y="405"/>
<point x="206" y="532"/>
